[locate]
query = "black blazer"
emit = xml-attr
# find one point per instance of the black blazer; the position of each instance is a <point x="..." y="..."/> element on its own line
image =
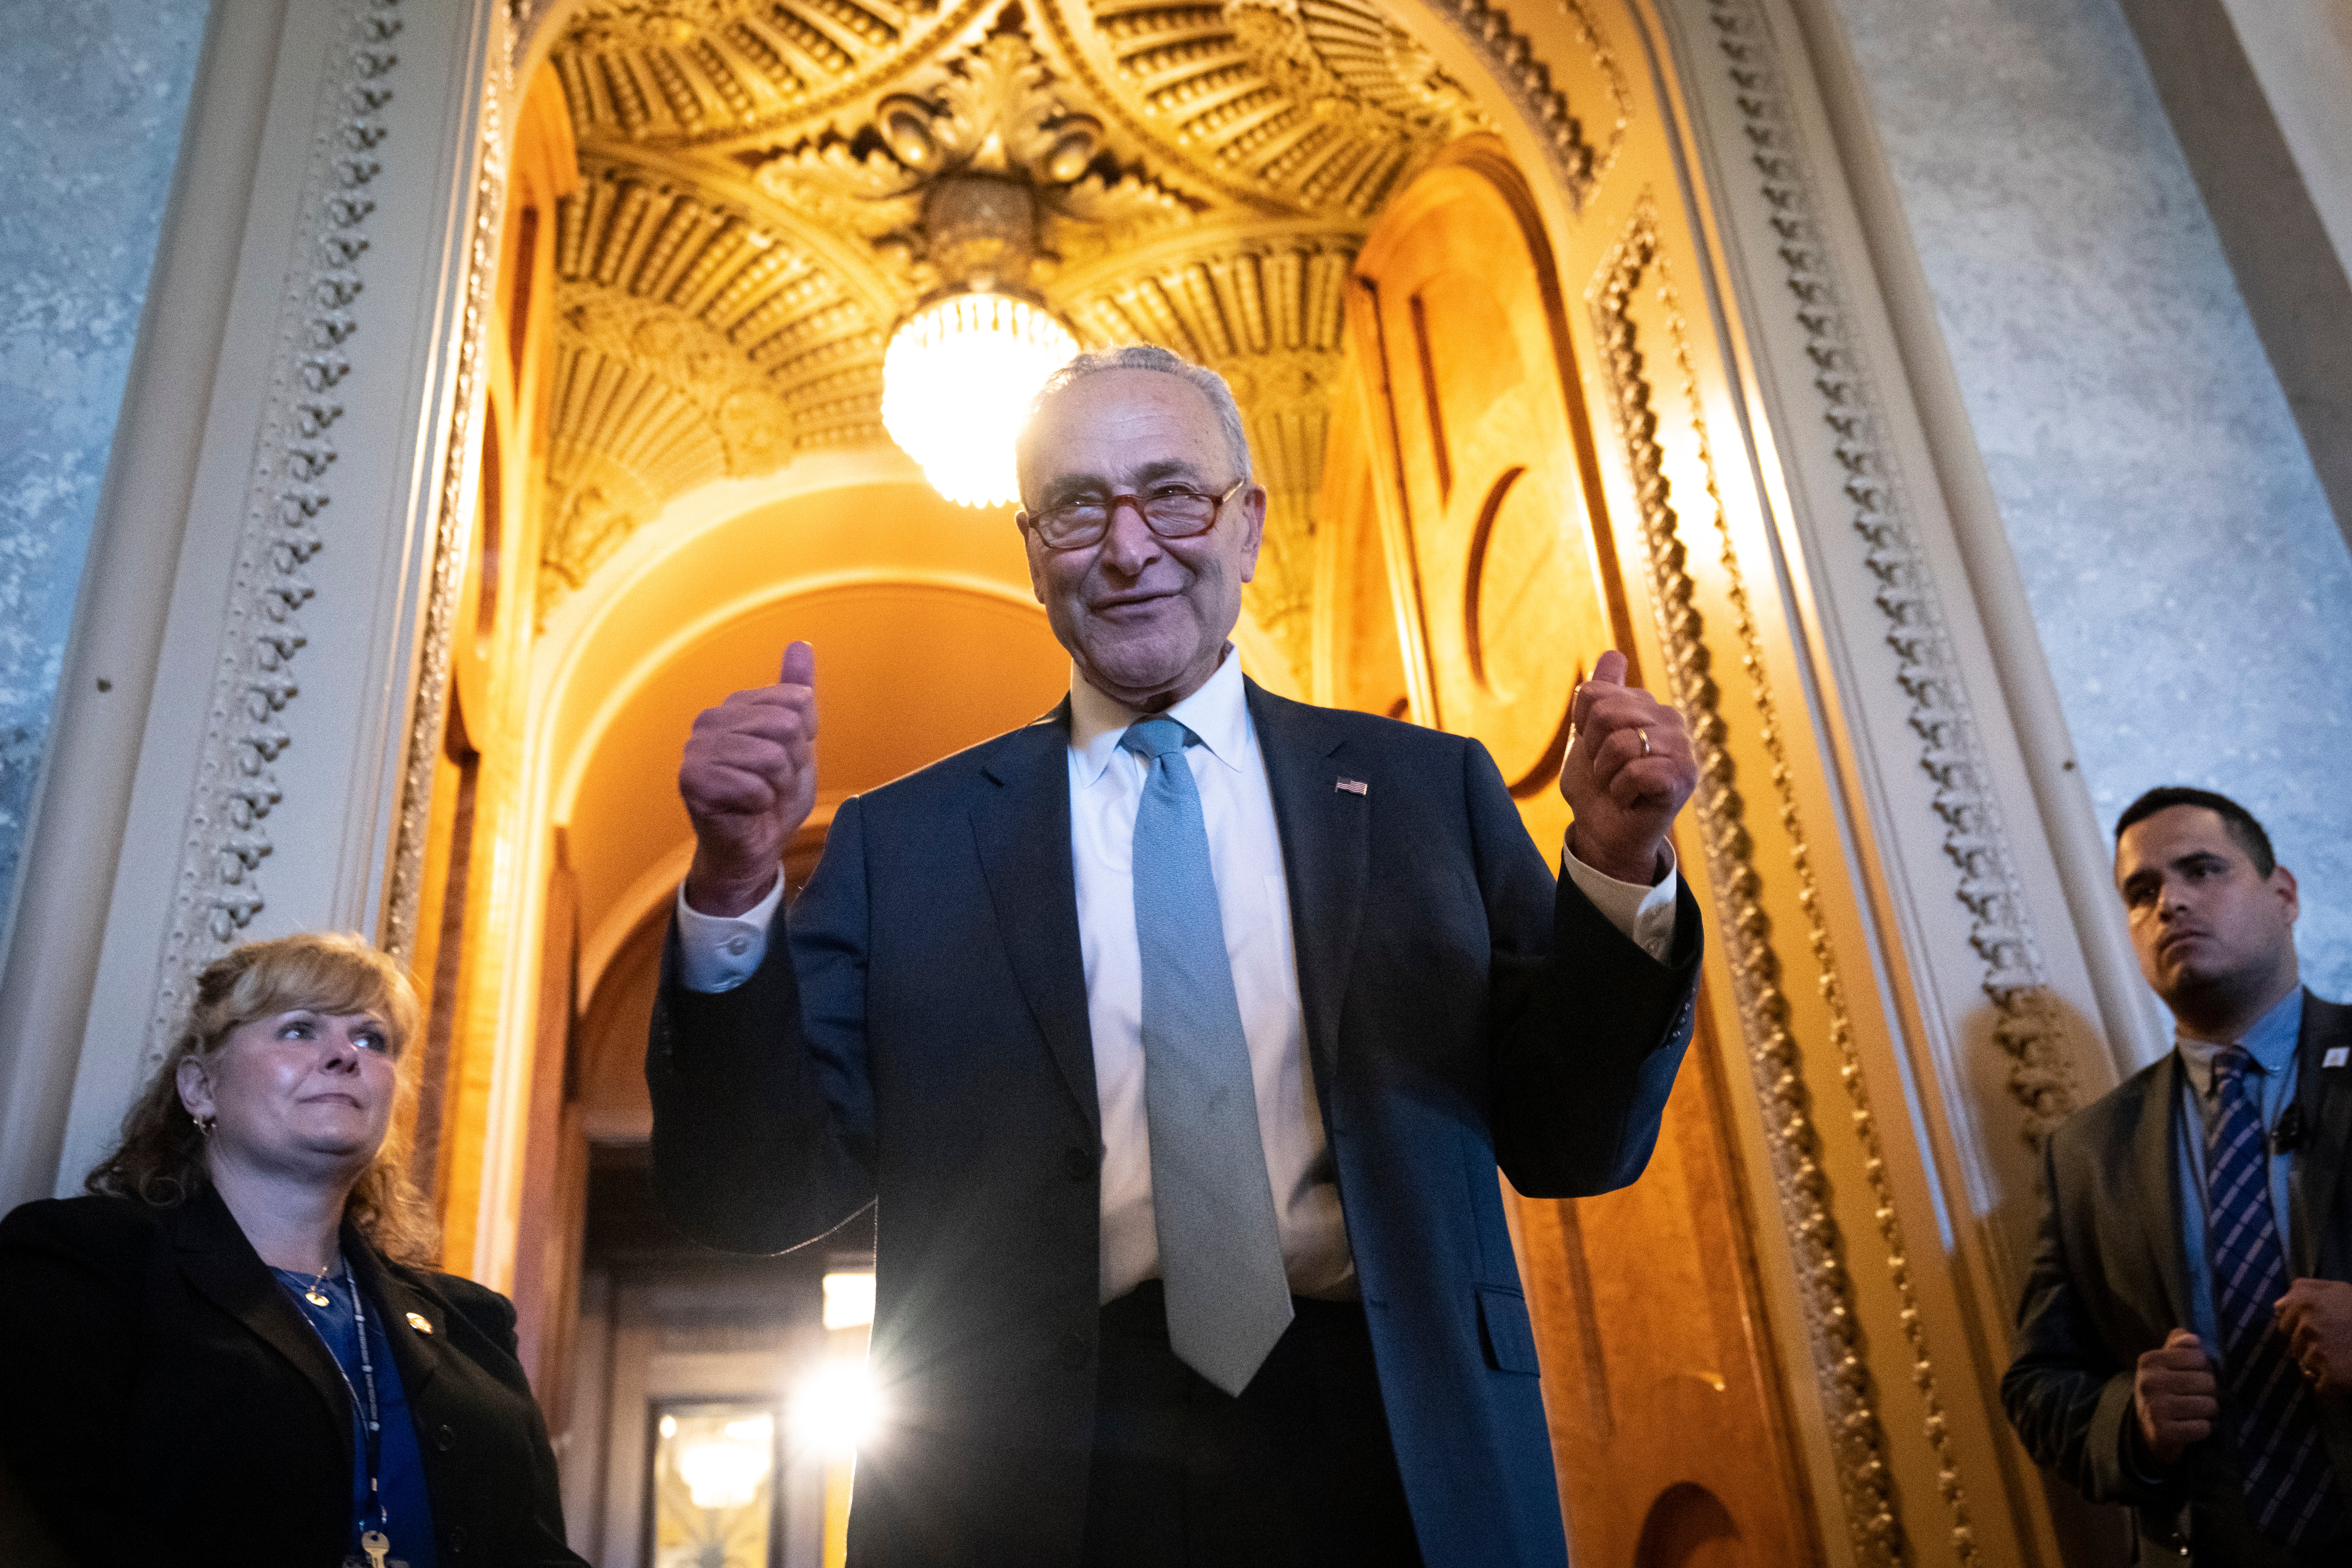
<point x="2110" y="1280"/>
<point x="162" y="1400"/>
<point x="921" y="1036"/>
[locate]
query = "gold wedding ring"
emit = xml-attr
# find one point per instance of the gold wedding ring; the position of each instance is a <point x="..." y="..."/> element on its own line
<point x="1645" y="740"/>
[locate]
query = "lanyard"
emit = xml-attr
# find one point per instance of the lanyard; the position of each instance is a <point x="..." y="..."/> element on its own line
<point x="374" y="1417"/>
<point x="373" y="1422"/>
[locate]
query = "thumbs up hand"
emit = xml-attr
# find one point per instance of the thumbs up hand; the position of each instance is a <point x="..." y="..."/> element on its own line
<point x="1628" y="769"/>
<point x="749" y="781"/>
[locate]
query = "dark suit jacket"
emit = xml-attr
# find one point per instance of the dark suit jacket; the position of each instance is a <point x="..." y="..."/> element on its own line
<point x="2110" y="1280"/>
<point x="164" y="1402"/>
<point x="923" y="1036"/>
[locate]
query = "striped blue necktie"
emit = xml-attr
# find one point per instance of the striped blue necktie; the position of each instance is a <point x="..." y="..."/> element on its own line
<point x="2272" y="1414"/>
<point x="1219" y="1255"/>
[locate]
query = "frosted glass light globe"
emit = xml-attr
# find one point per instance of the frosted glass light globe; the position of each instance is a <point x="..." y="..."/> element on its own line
<point x="957" y="379"/>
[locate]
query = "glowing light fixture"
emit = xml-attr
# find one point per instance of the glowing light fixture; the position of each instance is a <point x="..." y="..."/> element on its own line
<point x="725" y="1471"/>
<point x="957" y="379"/>
<point x="849" y="1299"/>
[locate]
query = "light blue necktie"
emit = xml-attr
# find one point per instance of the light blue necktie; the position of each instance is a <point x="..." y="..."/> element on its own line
<point x="1220" y="1256"/>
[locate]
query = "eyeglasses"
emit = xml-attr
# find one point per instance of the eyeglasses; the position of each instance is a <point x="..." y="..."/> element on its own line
<point x="1172" y="511"/>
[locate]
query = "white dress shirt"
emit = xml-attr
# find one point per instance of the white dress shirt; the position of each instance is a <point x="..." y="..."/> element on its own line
<point x="718" y="953"/>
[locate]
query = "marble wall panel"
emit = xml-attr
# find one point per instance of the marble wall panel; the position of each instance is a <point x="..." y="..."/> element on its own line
<point x="2192" y="588"/>
<point x="92" y="95"/>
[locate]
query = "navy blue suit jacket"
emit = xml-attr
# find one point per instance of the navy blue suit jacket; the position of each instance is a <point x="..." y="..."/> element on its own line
<point x="923" y="1039"/>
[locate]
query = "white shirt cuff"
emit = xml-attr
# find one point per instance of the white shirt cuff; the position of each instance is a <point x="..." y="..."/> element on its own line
<point x="1646" y="915"/>
<point x="719" y="952"/>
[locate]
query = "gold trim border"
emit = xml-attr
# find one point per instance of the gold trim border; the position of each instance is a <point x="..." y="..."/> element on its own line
<point x="452" y="520"/>
<point x="1865" y="1481"/>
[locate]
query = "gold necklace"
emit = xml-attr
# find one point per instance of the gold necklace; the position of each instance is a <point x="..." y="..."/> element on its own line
<point x="317" y="1294"/>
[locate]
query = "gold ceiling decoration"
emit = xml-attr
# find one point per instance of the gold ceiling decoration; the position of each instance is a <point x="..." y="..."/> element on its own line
<point x="1323" y="106"/>
<point x="697" y="339"/>
<point x="751" y="220"/>
<point x="704" y="71"/>
<point x="995" y="113"/>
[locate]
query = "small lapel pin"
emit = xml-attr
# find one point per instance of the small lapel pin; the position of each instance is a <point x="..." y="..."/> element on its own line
<point x="416" y="1321"/>
<point x="1353" y="786"/>
<point x="2336" y="1056"/>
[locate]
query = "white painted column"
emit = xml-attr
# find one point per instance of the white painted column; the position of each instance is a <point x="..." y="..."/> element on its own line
<point x="255" y="596"/>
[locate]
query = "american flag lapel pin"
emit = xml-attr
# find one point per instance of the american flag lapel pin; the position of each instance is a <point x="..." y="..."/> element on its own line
<point x="1352" y="786"/>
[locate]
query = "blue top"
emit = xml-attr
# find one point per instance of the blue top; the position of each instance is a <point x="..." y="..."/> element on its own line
<point x="2271" y="1043"/>
<point x="399" y="1463"/>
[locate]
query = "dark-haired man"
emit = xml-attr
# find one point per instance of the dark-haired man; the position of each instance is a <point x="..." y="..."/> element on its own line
<point x="2185" y="1343"/>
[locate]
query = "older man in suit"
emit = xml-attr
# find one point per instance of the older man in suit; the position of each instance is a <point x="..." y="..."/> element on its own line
<point x="2185" y="1344"/>
<point x="1177" y="1035"/>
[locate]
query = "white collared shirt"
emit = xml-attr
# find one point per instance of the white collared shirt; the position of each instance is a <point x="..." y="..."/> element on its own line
<point x="719" y="953"/>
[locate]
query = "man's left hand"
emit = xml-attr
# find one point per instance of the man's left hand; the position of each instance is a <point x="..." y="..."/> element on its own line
<point x="1628" y="769"/>
<point x="2315" y="1316"/>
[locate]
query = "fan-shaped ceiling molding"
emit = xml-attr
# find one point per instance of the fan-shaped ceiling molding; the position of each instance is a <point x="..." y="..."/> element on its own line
<point x="1321" y="106"/>
<point x="697" y="338"/>
<point x="690" y="71"/>
<point x="747" y="228"/>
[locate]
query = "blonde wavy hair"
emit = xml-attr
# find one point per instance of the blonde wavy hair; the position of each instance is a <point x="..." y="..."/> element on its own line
<point x="160" y="1161"/>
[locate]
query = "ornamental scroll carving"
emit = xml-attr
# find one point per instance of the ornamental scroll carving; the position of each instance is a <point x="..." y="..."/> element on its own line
<point x="1801" y="1187"/>
<point x="218" y="890"/>
<point x="2028" y="1027"/>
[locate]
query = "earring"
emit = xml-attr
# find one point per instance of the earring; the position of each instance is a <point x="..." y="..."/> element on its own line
<point x="205" y="1127"/>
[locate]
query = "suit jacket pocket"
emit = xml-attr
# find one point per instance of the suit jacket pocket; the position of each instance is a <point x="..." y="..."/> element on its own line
<point x="1503" y="1327"/>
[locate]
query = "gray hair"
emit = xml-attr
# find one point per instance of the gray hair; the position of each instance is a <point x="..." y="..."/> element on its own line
<point x="1152" y="357"/>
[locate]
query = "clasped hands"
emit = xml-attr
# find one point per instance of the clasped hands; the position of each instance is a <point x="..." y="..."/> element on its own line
<point x="2175" y="1393"/>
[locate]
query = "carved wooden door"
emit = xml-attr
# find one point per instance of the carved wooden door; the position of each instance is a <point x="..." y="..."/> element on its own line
<point x="1466" y="497"/>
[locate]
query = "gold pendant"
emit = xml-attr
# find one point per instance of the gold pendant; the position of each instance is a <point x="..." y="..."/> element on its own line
<point x="316" y="1299"/>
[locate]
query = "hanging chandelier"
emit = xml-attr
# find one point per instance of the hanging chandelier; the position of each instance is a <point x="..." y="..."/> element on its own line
<point x="955" y="382"/>
<point x="959" y="371"/>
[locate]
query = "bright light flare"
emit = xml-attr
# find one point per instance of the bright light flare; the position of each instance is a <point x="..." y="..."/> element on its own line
<point x="835" y="1407"/>
<point x="849" y="1299"/>
<point x="957" y="379"/>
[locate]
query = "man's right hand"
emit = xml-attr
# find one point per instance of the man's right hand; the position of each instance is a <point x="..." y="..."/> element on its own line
<point x="2176" y="1397"/>
<point x="749" y="781"/>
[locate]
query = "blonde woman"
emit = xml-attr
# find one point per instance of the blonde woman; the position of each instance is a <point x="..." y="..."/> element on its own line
<point x="234" y="1350"/>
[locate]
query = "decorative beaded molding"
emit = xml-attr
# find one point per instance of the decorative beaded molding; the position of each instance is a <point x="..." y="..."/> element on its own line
<point x="1865" y="1481"/>
<point x="218" y="891"/>
<point x="1865" y="1123"/>
<point x="1528" y="80"/>
<point x="2029" y="1027"/>
<point x="453" y="517"/>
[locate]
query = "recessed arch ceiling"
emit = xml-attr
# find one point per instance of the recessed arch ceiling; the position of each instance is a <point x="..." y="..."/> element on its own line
<point x="745" y="236"/>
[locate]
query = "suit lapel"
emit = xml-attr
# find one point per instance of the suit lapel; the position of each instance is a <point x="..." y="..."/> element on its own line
<point x="2154" y="1169"/>
<point x="2325" y="1098"/>
<point x="1325" y="856"/>
<point x="1021" y="827"/>
<point x="217" y="1260"/>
